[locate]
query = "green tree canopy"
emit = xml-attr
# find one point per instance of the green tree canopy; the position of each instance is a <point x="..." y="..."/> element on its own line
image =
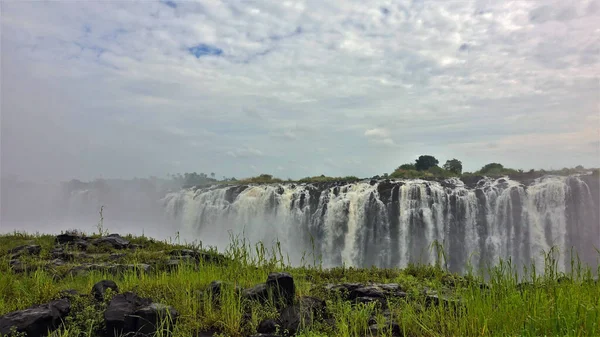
<point x="454" y="166"/>
<point x="425" y="162"/>
<point x="491" y="168"/>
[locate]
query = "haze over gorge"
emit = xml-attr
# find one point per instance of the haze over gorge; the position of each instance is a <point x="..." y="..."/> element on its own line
<point x="380" y="222"/>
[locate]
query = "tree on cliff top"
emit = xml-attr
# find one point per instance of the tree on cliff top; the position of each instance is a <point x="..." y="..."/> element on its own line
<point x="425" y="162"/>
<point x="454" y="166"/>
<point x="492" y="168"/>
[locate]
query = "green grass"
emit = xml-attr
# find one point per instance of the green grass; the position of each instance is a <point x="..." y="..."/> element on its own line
<point x="547" y="304"/>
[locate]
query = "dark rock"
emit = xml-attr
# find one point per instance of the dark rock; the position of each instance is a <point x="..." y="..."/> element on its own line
<point x="17" y="266"/>
<point x="116" y="256"/>
<point x="385" y="190"/>
<point x="374" y="292"/>
<point x="301" y="315"/>
<point x="385" y="329"/>
<point x="199" y="256"/>
<point x="185" y="252"/>
<point x="99" y="289"/>
<point x="114" y="240"/>
<point x="124" y="268"/>
<point x="59" y="253"/>
<point x="282" y="285"/>
<point x="25" y="249"/>
<point x="177" y="261"/>
<point x="58" y="262"/>
<point x="68" y="237"/>
<point x="259" y="293"/>
<point x="368" y="291"/>
<point x="69" y="293"/>
<point x="366" y="300"/>
<point x="147" y="319"/>
<point x="290" y="320"/>
<point x="37" y="320"/>
<point x="173" y="264"/>
<point x="215" y="289"/>
<point x="118" y="314"/>
<point x="347" y="287"/>
<point x="316" y="306"/>
<point x="437" y="300"/>
<point x="80" y="244"/>
<point x="113" y="269"/>
<point x="208" y="333"/>
<point x="267" y="326"/>
<point x="85" y="268"/>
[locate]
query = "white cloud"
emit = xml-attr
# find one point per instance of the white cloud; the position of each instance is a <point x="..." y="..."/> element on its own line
<point x="377" y="133"/>
<point x="117" y="92"/>
<point x="380" y="136"/>
<point x="245" y="152"/>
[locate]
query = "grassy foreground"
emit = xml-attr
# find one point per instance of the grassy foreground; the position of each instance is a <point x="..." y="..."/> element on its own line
<point x="543" y="303"/>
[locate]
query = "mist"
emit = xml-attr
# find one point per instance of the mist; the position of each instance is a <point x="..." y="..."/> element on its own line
<point x="128" y="206"/>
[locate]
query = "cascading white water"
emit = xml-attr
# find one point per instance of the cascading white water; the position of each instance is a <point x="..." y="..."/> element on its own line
<point x="356" y="225"/>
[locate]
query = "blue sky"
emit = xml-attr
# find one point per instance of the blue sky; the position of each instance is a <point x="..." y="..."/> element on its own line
<point x="295" y="88"/>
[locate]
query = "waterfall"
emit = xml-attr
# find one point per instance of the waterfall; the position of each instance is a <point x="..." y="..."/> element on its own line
<point x="394" y="223"/>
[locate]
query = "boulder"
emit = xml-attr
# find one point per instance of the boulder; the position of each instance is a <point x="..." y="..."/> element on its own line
<point x="70" y="293"/>
<point x="372" y="292"/>
<point x="25" y="249"/>
<point x="147" y="320"/>
<point x="259" y="293"/>
<point x="68" y="237"/>
<point x="114" y="240"/>
<point x="59" y="253"/>
<point x="282" y="285"/>
<point x="437" y="300"/>
<point x="215" y="288"/>
<point x="117" y="315"/>
<point x="301" y="315"/>
<point x="116" y="256"/>
<point x="99" y="289"/>
<point x="113" y="269"/>
<point x="17" y="266"/>
<point x="37" y="320"/>
<point x="123" y="268"/>
<point x="388" y="329"/>
<point x="57" y="262"/>
<point x="367" y="291"/>
<point x="198" y="255"/>
<point x="267" y="326"/>
<point x="279" y="287"/>
<point x="172" y="264"/>
<point x="176" y="261"/>
<point x="80" y="244"/>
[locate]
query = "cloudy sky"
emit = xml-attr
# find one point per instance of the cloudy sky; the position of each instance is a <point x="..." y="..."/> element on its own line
<point x="295" y="88"/>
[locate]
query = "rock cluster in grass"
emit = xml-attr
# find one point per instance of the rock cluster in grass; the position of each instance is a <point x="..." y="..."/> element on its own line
<point x="126" y="313"/>
<point x="73" y="250"/>
<point x="36" y="320"/>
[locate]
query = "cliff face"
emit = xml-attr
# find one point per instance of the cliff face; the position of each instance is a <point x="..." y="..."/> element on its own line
<point x="379" y="222"/>
<point x="392" y="223"/>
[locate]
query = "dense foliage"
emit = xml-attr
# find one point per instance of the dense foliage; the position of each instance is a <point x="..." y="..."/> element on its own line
<point x="454" y="166"/>
<point x="425" y="162"/>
